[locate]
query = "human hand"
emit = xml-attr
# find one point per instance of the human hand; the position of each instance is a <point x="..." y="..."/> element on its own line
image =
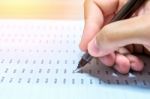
<point x="101" y="40"/>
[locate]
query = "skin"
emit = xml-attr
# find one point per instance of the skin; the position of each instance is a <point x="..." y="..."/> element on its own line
<point x="115" y="43"/>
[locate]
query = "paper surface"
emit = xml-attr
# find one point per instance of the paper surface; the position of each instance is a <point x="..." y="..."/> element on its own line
<point x="37" y="59"/>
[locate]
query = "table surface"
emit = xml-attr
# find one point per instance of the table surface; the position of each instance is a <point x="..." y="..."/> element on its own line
<point x="41" y="9"/>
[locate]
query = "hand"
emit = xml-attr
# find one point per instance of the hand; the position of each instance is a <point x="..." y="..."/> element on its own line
<point x="104" y="41"/>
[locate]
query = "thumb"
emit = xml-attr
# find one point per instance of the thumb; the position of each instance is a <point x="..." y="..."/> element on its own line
<point x="121" y="33"/>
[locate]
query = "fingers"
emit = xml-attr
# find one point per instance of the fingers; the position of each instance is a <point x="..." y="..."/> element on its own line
<point x="135" y="63"/>
<point x="108" y="7"/>
<point x="122" y="64"/>
<point x="108" y="60"/>
<point x="123" y="61"/>
<point x="93" y="22"/>
<point x="95" y="11"/>
<point x="118" y="34"/>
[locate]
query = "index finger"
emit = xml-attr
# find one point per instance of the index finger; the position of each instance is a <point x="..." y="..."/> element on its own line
<point x="95" y="11"/>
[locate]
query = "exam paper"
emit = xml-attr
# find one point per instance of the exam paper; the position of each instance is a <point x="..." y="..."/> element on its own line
<point x="37" y="59"/>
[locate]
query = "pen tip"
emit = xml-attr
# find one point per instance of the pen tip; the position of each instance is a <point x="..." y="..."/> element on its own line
<point x="76" y="70"/>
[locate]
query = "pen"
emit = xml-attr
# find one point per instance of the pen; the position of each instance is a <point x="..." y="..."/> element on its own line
<point x="125" y="12"/>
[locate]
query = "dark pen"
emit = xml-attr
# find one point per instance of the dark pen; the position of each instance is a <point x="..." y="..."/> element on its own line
<point x="125" y="12"/>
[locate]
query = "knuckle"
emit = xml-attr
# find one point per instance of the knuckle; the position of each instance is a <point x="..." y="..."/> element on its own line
<point x="104" y="36"/>
<point x="105" y="39"/>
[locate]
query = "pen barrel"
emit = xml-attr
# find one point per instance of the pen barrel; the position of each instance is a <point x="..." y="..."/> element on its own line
<point x="127" y="10"/>
<point x="87" y="57"/>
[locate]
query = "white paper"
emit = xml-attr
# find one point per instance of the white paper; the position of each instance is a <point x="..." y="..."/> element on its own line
<point x="37" y="59"/>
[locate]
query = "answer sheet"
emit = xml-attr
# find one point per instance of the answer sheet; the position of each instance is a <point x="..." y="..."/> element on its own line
<point x="37" y="59"/>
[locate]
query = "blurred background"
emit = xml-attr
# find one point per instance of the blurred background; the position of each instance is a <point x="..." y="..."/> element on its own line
<point x="41" y="9"/>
